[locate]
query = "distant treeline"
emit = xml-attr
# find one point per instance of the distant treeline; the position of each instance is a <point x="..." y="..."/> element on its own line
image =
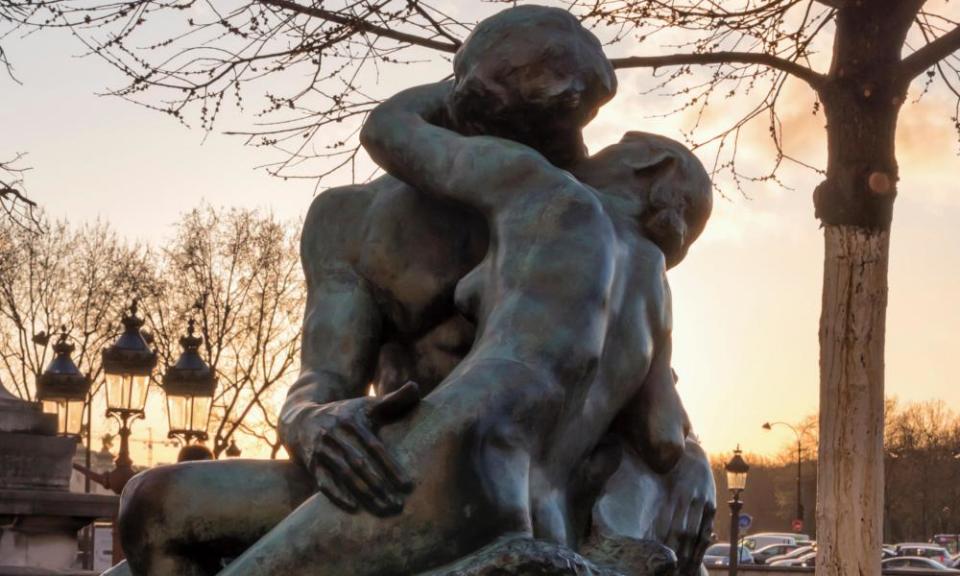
<point x="922" y="496"/>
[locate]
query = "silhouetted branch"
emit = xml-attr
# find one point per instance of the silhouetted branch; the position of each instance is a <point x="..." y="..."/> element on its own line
<point x="929" y="55"/>
<point x="809" y="76"/>
<point x="364" y="25"/>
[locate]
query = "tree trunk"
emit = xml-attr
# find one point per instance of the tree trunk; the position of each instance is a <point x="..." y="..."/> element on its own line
<point x="852" y="325"/>
<point x="861" y="102"/>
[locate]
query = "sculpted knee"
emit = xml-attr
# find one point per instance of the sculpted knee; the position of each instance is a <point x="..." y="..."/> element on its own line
<point x="142" y="519"/>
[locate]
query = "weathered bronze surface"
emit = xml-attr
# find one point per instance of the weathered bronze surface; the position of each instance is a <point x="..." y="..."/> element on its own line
<point x="507" y="297"/>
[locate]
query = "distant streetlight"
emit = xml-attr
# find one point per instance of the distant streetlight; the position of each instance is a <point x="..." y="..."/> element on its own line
<point x="127" y="364"/>
<point x="769" y="426"/>
<point x="737" y="470"/>
<point x="63" y="389"/>
<point x="189" y="385"/>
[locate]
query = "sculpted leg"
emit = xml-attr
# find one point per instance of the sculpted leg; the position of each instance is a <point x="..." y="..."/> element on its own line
<point x="675" y="509"/>
<point x="448" y="444"/>
<point x="182" y="519"/>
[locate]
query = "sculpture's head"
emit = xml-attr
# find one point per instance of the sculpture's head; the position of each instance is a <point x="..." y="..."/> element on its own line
<point x="534" y="75"/>
<point x="660" y="182"/>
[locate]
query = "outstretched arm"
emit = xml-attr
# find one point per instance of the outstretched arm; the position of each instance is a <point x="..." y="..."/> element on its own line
<point x="479" y="171"/>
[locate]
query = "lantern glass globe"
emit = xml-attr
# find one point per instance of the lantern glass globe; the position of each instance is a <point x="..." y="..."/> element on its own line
<point x="737" y="469"/>
<point x="737" y="481"/>
<point x="69" y="414"/>
<point x="189" y="414"/>
<point x="127" y="392"/>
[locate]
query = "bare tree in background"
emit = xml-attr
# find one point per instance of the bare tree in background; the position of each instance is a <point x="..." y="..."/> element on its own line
<point x="79" y="278"/>
<point x="317" y="64"/>
<point x="921" y="441"/>
<point x="14" y="203"/>
<point x="237" y="273"/>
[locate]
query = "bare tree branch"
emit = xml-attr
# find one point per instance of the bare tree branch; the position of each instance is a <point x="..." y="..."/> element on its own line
<point x="811" y="77"/>
<point x="928" y="56"/>
<point x="363" y="25"/>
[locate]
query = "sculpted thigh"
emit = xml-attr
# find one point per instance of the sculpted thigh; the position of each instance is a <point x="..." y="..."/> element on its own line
<point x="214" y="508"/>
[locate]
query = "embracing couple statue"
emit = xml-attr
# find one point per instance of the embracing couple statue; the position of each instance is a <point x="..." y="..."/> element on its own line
<point x="506" y="296"/>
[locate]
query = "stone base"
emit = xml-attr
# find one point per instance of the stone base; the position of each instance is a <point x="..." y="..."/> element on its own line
<point x="38" y="528"/>
<point x="522" y="556"/>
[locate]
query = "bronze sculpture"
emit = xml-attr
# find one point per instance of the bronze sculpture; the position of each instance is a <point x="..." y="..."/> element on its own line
<point x="529" y="306"/>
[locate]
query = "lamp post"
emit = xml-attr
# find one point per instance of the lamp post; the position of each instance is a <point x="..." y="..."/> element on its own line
<point x="737" y="469"/>
<point x="189" y="385"/>
<point x="127" y="364"/>
<point x="799" y="514"/>
<point x="63" y="389"/>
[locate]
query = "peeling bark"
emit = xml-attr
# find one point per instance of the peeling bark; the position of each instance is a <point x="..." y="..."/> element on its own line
<point x="852" y="328"/>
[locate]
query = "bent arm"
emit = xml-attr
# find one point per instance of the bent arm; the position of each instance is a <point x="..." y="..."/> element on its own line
<point x="341" y="329"/>
<point x="479" y="171"/>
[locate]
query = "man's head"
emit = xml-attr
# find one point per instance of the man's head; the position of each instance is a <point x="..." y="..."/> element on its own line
<point x="534" y="75"/>
<point x="664" y="184"/>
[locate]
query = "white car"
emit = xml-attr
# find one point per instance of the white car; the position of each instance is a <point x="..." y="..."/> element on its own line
<point x="807" y="559"/>
<point x="802" y="551"/>
<point x="915" y="563"/>
<point x="764" y="539"/>
<point x="924" y="550"/>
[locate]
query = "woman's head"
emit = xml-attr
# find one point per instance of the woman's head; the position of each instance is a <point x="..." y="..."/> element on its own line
<point x="534" y="75"/>
<point x="665" y="183"/>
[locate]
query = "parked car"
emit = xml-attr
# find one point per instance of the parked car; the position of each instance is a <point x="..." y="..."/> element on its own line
<point x="806" y="559"/>
<point x="764" y="539"/>
<point x="719" y="555"/>
<point x="924" y="550"/>
<point x="915" y="563"/>
<point x="767" y="552"/>
<point x="791" y="555"/>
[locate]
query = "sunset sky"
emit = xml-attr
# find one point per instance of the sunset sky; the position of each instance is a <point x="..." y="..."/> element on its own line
<point x="746" y="300"/>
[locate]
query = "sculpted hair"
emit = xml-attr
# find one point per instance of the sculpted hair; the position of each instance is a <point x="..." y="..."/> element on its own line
<point x="529" y="73"/>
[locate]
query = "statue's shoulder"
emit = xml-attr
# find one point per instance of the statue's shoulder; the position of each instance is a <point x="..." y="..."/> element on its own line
<point x="353" y="198"/>
<point x="336" y="216"/>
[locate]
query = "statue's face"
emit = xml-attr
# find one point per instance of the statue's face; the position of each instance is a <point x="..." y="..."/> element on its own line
<point x="660" y="183"/>
<point x="533" y="75"/>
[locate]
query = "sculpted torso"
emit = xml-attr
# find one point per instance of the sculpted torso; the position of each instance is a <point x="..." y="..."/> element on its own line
<point x="410" y="251"/>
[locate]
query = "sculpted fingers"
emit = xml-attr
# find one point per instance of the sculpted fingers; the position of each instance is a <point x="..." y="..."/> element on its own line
<point x="362" y="467"/>
<point x="334" y="458"/>
<point x="690" y="536"/>
<point x="329" y="487"/>
<point x="373" y="446"/>
<point x="678" y="517"/>
<point x="706" y="531"/>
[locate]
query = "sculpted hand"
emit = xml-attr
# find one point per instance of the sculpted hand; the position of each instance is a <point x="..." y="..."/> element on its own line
<point x="687" y="519"/>
<point x="352" y="466"/>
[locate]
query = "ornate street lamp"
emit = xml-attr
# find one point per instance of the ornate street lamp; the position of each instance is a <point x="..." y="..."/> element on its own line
<point x="189" y="385"/>
<point x="737" y="469"/>
<point x="799" y="516"/>
<point x="127" y="364"/>
<point x="63" y="389"/>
